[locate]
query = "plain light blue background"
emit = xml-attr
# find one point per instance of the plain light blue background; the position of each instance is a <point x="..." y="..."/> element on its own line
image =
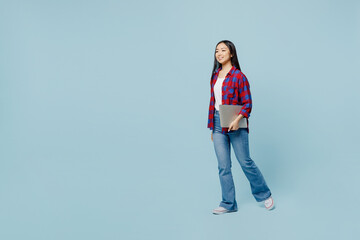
<point x="87" y="153"/>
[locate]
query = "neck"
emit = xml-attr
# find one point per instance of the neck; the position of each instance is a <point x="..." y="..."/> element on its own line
<point x="226" y="66"/>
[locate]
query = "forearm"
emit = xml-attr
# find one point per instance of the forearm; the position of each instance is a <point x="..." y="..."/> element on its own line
<point x="239" y="117"/>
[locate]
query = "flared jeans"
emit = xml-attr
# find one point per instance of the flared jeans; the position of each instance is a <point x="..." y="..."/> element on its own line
<point x="240" y="143"/>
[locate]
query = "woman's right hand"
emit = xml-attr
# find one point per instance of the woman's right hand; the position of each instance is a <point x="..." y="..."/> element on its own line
<point x="211" y="137"/>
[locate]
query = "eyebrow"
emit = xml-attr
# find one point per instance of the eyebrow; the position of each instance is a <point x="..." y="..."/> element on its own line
<point x="221" y="48"/>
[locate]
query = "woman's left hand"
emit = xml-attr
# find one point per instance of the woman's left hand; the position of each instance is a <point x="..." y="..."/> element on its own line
<point x="234" y="125"/>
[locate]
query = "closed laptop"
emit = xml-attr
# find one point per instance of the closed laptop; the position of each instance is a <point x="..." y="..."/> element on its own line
<point x="228" y="113"/>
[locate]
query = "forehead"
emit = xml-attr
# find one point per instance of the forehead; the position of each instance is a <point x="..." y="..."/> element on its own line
<point x="221" y="46"/>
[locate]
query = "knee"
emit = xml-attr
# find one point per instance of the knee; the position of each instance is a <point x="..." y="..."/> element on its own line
<point x="224" y="169"/>
<point x="247" y="163"/>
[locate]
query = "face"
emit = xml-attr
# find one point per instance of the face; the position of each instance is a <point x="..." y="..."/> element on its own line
<point x="222" y="53"/>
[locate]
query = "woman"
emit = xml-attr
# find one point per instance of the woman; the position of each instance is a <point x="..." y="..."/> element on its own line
<point x="230" y="86"/>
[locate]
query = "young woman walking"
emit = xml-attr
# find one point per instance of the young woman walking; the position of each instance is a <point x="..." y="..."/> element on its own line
<point x="229" y="86"/>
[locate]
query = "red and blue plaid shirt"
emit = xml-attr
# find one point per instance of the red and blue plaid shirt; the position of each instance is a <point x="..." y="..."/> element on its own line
<point x="235" y="91"/>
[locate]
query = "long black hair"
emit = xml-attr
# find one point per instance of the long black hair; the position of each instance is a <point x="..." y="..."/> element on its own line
<point x="234" y="59"/>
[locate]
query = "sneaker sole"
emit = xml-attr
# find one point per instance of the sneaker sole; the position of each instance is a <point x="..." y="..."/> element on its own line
<point x="271" y="208"/>
<point x="229" y="211"/>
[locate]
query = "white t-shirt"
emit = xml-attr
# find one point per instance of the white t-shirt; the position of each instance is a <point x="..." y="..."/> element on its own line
<point x="218" y="92"/>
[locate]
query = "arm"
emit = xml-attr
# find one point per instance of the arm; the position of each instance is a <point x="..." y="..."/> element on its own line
<point x="245" y="98"/>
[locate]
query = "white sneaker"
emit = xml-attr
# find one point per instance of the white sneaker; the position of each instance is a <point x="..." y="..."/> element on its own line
<point x="221" y="210"/>
<point x="269" y="203"/>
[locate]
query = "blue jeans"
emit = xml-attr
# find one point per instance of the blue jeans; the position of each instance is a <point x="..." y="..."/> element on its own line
<point x="239" y="141"/>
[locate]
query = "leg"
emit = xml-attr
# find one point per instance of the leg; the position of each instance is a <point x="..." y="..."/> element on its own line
<point x="222" y="150"/>
<point x="240" y="143"/>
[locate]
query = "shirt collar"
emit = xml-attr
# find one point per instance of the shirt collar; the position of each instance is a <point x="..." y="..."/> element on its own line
<point x="231" y="71"/>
